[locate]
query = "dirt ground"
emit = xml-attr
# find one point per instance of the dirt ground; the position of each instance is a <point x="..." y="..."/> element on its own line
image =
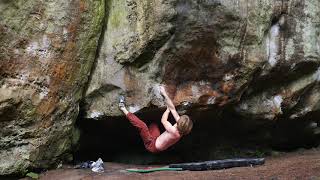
<point x="298" y="165"/>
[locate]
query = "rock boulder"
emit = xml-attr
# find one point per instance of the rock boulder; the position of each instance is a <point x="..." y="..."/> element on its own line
<point x="46" y="53"/>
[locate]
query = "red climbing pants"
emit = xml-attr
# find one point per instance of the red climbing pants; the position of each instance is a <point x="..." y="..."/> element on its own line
<point x="148" y="134"/>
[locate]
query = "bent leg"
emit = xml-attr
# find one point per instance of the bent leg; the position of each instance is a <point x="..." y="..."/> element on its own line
<point x="154" y="130"/>
<point x="140" y="125"/>
<point x="144" y="132"/>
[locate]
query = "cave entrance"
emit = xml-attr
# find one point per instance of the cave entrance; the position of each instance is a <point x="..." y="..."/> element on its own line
<point x="216" y="135"/>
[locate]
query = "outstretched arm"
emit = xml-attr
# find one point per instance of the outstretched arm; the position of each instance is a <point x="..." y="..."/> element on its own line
<point x="167" y="125"/>
<point x="169" y="104"/>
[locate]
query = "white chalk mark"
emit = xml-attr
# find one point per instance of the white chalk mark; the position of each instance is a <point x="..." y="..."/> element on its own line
<point x="273" y="44"/>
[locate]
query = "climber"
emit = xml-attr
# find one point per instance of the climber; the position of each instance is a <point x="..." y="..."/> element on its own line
<point x="153" y="141"/>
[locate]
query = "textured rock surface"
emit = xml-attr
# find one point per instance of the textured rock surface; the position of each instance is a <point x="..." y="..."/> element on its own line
<point x="260" y="56"/>
<point x="135" y="31"/>
<point x="46" y="52"/>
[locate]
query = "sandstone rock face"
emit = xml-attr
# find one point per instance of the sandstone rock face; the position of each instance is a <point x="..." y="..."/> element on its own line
<point x="46" y="52"/>
<point x="135" y="31"/>
<point x="261" y="57"/>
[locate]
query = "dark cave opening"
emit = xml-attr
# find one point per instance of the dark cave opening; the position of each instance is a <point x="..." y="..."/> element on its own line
<point x="216" y="135"/>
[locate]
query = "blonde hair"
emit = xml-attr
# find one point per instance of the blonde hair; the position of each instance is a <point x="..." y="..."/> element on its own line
<point x="184" y="125"/>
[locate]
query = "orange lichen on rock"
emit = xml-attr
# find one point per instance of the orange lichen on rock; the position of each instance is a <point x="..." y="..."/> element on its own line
<point x="59" y="70"/>
<point x="183" y="93"/>
<point x="227" y="87"/>
<point x="196" y="92"/>
<point x="132" y="86"/>
<point x="224" y="100"/>
<point x="82" y="5"/>
<point x="47" y="106"/>
<point x="209" y="98"/>
<point x="69" y="53"/>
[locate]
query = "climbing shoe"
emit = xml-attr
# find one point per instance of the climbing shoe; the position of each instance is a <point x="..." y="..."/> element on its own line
<point x="121" y="101"/>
